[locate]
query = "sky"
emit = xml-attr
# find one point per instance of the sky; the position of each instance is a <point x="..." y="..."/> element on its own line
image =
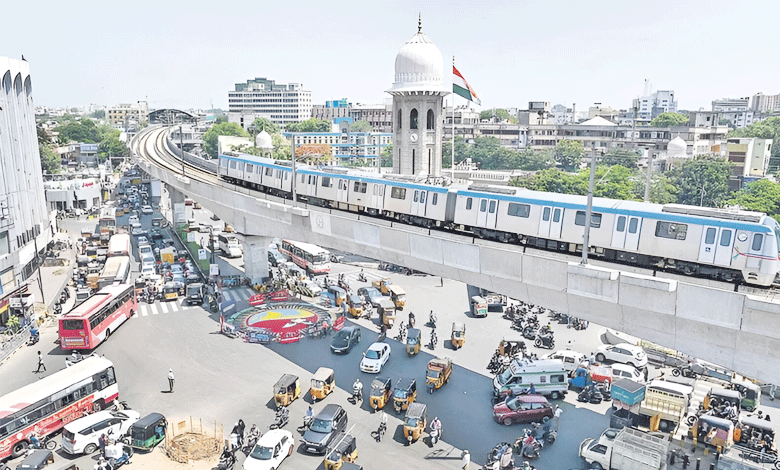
<point x="189" y="54"/>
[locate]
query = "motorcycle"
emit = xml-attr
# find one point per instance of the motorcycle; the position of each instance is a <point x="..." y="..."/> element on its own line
<point x="226" y="461"/>
<point x="528" y="450"/>
<point x="590" y="395"/>
<point x="281" y="419"/>
<point x="401" y="337"/>
<point x="542" y="432"/>
<point x="685" y="371"/>
<point x="545" y="341"/>
<point x="306" y="424"/>
<point x="530" y="331"/>
<point x="362" y="277"/>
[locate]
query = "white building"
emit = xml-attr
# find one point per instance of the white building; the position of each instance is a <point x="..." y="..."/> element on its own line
<point x="24" y="220"/>
<point x="750" y="156"/>
<point x="762" y="103"/>
<point x="73" y="194"/>
<point x="736" y="110"/>
<point x="125" y="116"/>
<point x="281" y="103"/>
<point x="650" y="105"/>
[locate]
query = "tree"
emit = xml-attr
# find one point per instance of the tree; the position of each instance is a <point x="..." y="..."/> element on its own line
<point x="112" y="147"/>
<point x="361" y="126"/>
<point x="725" y="122"/>
<point x="50" y="161"/>
<point x="761" y="196"/>
<point x="309" y="125"/>
<point x="669" y="120"/>
<point x="82" y="131"/>
<point x="535" y="160"/>
<point x="282" y="147"/>
<point x="662" y="191"/>
<point x="220" y="119"/>
<point x="99" y="114"/>
<point x="223" y="128"/>
<point x="702" y="182"/>
<point x="623" y="157"/>
<point x="499" y="114"/>
<point x="462" y="150"/>
<point x="569" y="154"/>
<point x="265" y="124"/>
<point x="386" y="159"/>
<point x="43" y="136"/>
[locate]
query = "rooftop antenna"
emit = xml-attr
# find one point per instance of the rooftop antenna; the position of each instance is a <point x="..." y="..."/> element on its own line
<point x="419" y="22"/>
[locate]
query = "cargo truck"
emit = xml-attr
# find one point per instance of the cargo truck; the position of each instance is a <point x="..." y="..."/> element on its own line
<point x="625" y="449"/>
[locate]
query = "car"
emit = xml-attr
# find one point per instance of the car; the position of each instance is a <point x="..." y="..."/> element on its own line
<point x="370" y="294"/>
<point x="623" y="352"/>
<point x="142" y="240"/>
<point x="82" y="435"/>
<point x="375" y="357"/>
<point x="270" y="451"/>
<point x="523" y="409"/>
<point x="623" y="371"/>
<point x="156" y="234"/>
<point x="133" y="219"/>
<point x="137" y="230"/>
<point x="147" y="270"/>
<point x="146" y="209"/>
<point x="345" y="339"/>
<point x="275" y="258"/>
<point x="177" y="269"/>
<point x="325" y="427"/>
<point x="571" y="359"/>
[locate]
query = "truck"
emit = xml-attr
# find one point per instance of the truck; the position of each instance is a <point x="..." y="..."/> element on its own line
<point x="155" y="191"/>
<point x="625" y="449"/>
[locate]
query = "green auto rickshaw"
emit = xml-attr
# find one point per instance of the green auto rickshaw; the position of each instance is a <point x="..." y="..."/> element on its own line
<point x="147" y="432"/>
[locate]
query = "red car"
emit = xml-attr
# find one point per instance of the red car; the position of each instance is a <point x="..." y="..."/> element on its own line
<point x="523" y="409"/>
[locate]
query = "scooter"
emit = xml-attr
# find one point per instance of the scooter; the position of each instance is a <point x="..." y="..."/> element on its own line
<point x="34" y="337"/>
<point x="528" y="450"/>
<point x="226" y="461"/>
<point x="281" y="419"/>
<point x="434" y="340"/>
<point x="545" y="341"/>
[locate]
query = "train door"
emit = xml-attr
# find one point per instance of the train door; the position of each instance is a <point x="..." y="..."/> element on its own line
<point x="625" y="235"/>
<point x="725" y="244"/>
<point x="556" y="223"/>
<point x="482" y="214"/>
<point x="418" y="202"/>
<point x="342" y="193"/>
<point x="619" y="232"/>
<point x="491" y="215"/>
<point x="756" y="247"/>
<point x="707" y="246"/>
<point x="544" y="221"/>
<point x="632" y="235"/>
<point x="376" y="196"/>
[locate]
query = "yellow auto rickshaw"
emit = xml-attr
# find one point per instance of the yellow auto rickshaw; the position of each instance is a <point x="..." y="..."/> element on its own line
<point x="438" y="374"/>
<point x="413" y="340"/>
<point x="382" y="285"/>
<point x="322" y="384"/>
<point x="458" y="335"/>
<point x="398" y="296"/>
<point x="356" y="305"/>
<point x="286" y="389"/>
<point x="381" y="390"/>
<point x="345" y="450"/>
<point x="415" y="421"/>
<point x="386" y="309"/>
<point x="404" y="394"/>
<point x="170" y="291"/>
<point x="339" y="295"/>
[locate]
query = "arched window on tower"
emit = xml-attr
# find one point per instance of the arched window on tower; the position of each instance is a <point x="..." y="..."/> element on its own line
<point x="399" y="119"/>
<point x="431" y="124"/>
<point x="413" y="119"/>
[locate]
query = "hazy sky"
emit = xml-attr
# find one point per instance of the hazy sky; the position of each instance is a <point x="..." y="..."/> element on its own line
<point x="189" y="54"/>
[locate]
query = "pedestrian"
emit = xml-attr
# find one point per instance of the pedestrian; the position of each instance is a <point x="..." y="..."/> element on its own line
<point x="102" y="444"/>
<point x="441" y="282"/>
<point x="40" y="363"/>
<point x="465" y="461"/>
<point x="591" y="359"/>
<point x="170" y="380"/>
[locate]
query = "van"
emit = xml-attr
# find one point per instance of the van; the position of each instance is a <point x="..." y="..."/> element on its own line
<point x="230" y="246"/>
<point x="547" y="375"/>
<point x="82" y="436"/>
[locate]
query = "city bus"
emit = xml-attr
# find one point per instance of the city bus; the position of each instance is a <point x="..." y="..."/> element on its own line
<point x="93" y="321"/>
<point x="107" y="222"/>
<point x="115" y="271"/>
<point x="119" y="245"/>
<point x="310" y="257"/>
<point x="47" y="405"/>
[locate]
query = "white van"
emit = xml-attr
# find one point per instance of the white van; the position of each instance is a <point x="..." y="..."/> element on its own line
<point x="571" y="359"/>
<point x="230" y="245"/>
<point x="81" y="436"/>
<point x="548" y="377"/>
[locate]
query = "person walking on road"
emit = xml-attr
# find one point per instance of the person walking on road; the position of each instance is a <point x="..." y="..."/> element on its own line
<point x="170" y="380"/>
<point x="40" y="363"/>
<point x="465" y="461"/>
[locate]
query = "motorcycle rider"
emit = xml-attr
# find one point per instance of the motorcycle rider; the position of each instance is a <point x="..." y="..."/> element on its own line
<point x="308" y="418"/>
<point x="252" y="436"/>
<point x="435" y="430"/>
<point x="226" y="460"/>
<point x="357" y="390"/>
<point x="101" y="464"/>
<point x="411" y="319"/>
<point x="432" y="319"/>
<point x="506" y="462"/>
<point x="282" y="416"/>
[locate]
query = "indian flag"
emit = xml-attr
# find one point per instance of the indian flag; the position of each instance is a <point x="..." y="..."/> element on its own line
<point x="462" y="88"/>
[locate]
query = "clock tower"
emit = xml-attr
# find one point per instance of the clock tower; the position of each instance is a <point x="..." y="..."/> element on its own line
<point x="418" y="101"/>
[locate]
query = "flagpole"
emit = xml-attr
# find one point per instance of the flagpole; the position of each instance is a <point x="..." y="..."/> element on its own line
<point x="452" y="154"/>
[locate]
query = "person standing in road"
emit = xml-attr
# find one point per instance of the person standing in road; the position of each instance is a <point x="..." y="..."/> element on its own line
<point x="170" y="380"/>
<point x="465" y="461"/>
<point x="40" y="363"/>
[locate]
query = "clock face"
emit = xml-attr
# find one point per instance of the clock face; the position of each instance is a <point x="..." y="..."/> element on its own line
<point x="413" y="137"/>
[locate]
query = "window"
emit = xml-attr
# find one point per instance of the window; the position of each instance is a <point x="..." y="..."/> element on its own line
<point x="435" y="199"/>
<point x="430" y="121"/>
<point x="5" y="248"/>
<point x="468" y="204"/>
<point x="492" y="208"/>
<point x="483" y="205"/>
<point x="758" y="240"/>
<point x="269" y="171"/>
<point x="232" y="164"/>
<point x="240" y="166"/>
<point x="250" y="168"/>
<point x="360" y="187"/>
<point x="595" y="219"/>
<point x="223" y="163"/>
<point x="709" y="238"/>
<point x="399" y="120"/>
<point x="621" y="223"/>
<point x="633" y="226"/>
<point x="326" y="182"/>
<point x="413" y="119"/>
<point x="725" y="238"/>
<point x="671" y="230"/>
<point x="422" y="197"/>
<point x="557" y="215"/>
<point x="398" y="193"/>
<point x="416" y="195"/>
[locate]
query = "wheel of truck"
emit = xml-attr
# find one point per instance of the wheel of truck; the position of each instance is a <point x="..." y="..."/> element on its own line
<point x="676" y="372"/>
<point x="690" y="420"/>
<point x="555" y="395"/>
<point x="596" y="466"/>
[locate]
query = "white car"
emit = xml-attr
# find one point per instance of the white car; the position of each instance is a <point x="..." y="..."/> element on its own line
<point x="133" y="219"/>
<point x="147" y="270"/>
<point x="376" y="356"/>
<point x="81" y="436"/>
<point x="142" y="240"/>
<point x="623" y="371"/>
<point x="571" y="359"/>
<point x="146" y="210"/>
<point x="271" y="449"/>
<point x="623" y="352"/>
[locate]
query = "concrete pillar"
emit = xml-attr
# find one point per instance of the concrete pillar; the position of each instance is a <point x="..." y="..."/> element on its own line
<point x="256" y="257"/>
<point x="177" y="204"/>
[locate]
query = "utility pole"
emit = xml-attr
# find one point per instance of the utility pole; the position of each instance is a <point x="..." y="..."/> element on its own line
<point x="649" y="173"/>
<point x="292" y="155"/>
<point x="181" y="147"/>
<point x="589" y="210"/>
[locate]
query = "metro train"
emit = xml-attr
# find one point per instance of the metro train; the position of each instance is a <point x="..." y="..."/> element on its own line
<point x="728" y="245"/>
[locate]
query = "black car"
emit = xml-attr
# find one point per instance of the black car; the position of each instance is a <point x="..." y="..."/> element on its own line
<point x="323" y="430"/>
<point x="345" y="339"/>
<point x="156" y="234"/>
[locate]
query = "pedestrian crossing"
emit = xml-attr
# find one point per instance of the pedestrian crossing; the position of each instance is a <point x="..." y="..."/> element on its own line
<point x="162" y="308"/>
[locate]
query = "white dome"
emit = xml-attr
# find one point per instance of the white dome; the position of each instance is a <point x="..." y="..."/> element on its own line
<point x="419" y="66"/>
<point x="264" y="140"/>
<point x="676" y="147"/>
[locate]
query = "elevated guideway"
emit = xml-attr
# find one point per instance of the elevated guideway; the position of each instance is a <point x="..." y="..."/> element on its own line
<point x="737" y="330"/>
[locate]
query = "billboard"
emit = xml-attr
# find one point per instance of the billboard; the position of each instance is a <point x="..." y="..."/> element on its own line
<point x="312" y="149"/>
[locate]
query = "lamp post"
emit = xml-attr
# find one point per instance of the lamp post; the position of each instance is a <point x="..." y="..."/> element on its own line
<point x="589" y="210"/>
<point x="181" y="147"/>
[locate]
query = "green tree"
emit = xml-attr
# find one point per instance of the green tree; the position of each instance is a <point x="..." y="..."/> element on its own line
<point x="361" y="126"/>
<point x="462" y="151"/>
<point x="99" y="114"/>
<point x="669" y="120"/>
<point x="282" y="147"/>
<point x="220" y="119"/>
<point x="112" y="147"/>
<point x="760" y="196"/>
<point x="623" y="157"/>
<point x="724" y="122"/>
<point x="309" y="125"/>
<point x="82" y="131"/>
<point x="499" y="114"/>
<point x="43" y="136"/>
<point x="662" y="191"/>
<point x="535" y="160"/>
<point x="50" y="161"/>
<point x="702" y="181"/>
<point x="265" y="124"/>
<point x="386" y="158"/>
<point x="223" y="128"/>
<point x="569" y="154"/>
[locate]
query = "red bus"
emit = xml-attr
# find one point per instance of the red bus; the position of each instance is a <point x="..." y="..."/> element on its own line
<point x="47" y="405"/>
<point x="310" y="257"/>
<point x="96" y="318"/>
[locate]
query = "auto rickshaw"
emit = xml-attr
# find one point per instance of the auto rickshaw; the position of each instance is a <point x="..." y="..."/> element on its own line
<point x="510" y="348"/>
<point x="344" y="451"/>
<point x="751" y="393"/>
<point x="356" y="305"/>
<point x="147" y="432"/>
<point x="36" y="460"/>
<point x="386" y="311"/>
<point x="721" y="396"/>
<point x="398" y="296"/>
<point x="170" y="291"/>
<point x="415" y="421"/>
<point x="404" y="394"/>
<point x="381" y="389"/>
<point x="479" y="306"/>
<point x="714" y="431"/>
<point x="322" y="384"/>
<point x="339" y="295"/>
<point x="438" y="373"/>
<point x="413" y="340"/>
<point x="382" y="285"/>
<point x="458" y="335"/>
<point x="287" y="389"/>
<point x="756" y="434"/>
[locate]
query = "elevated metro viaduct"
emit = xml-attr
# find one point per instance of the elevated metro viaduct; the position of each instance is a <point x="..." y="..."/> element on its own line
<point x="736" y="330"/>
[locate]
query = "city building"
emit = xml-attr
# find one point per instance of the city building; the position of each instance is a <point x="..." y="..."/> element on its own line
<point x="539" y="113"/>
<point x="762" y="103"/>
<point x="343" y="146"/>
<point x="126" y="116"/>
<point x="25" y="222"/>
<point x="703" y="118"/>
<point x="280" y="103"/>
<point x="735" y="110"/>
<point x="73" y="194"/>
<point x="749" y="157"/>
<point x="378" y="116"/>
<point x="605" y="112"/>
<point x="650" y="105"/>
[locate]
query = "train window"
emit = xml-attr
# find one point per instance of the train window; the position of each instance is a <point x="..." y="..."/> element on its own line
<point x="621" y="223"/>
<point x="483" y="205"/>
<point x="223" y="163"/>
<point x="381" y="190"/>
<point x="398" y="193"/>
<point x="269" y="171"/>
<point x="633" y="226"/>
<point x="422" y="197"/>
<point x="492" y="207"/>
<point x="416" y="195"/>
<point x="435" y="199"/>
<point x="758" y="240"/>
<point x="286" y="175"/>
<point x="360" y="187"/>
<point x="376" y="189"/>
<point x="546" y="214"/>
<point x="595" y="219"/>
<point x="709" y="238"/>
<point x="250" y="168"/>
<point x="557" y="217"/>
<point x="725" y="238"/>
<point x="233" y="164"/>
<point x="518" y="210"/>
<point x="468" y="203"/>
<point x="671" y="230"/>
<point x="303" y="178"/>
<point x="326" y="182"/>
<point x="240" y="166"/>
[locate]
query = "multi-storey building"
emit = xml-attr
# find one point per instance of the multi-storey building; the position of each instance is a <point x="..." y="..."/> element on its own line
<point x="762" y="103"/>
<point x="749" y="157"/>
<point x="281" y="103"/>
<point x="650" y="105"/>
<point x="736" y="110"/>
<point x="124" y="116"/>
<point x="343" y="146"/>
<point x="24" y="219"/>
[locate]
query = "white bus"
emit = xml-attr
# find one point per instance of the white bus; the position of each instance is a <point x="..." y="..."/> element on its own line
<point x="310" y="257"/>
<point x="115" y="271"/>
<point x="230" y="245"/>
<point x="119" y="245"/>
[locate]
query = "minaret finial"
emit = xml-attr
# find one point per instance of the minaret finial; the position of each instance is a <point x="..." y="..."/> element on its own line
<point x="419" y="22"/>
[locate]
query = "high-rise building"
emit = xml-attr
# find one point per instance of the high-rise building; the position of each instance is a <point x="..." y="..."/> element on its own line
<point x="281" y="103"/>
<point x="650" y="105"/>
<point x="24" y="220"/>
<point x="126" y="116"/>
<point x="736" y="110"/>
<point x="762" y="103"/>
